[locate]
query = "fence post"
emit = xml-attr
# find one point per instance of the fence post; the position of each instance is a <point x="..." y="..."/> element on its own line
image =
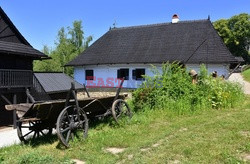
<point x="14" y="112"/>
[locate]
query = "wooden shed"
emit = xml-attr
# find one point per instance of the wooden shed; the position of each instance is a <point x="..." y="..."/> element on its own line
<point x="16" y="67"/>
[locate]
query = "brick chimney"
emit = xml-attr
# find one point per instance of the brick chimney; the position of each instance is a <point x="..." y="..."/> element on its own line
<point x="175" y="18"/>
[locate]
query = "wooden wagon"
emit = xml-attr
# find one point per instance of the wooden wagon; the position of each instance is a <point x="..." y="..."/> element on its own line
<point x="67" y="116"/>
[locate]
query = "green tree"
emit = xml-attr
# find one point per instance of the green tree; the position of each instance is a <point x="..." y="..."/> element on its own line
<point x="47" y="65"/>
<point x="235" y="32"/>
<point x="68" y="45"/>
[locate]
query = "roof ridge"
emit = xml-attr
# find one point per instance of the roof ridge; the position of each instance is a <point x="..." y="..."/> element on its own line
<point x="14" y="27"/>
<point x="158" y="24"/>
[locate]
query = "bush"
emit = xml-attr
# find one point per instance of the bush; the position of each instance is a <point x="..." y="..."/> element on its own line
<point x="1" y="158"/>
<point x="172" y="89"/>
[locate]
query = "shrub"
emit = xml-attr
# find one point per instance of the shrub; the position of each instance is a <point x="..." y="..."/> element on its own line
<point x="171" y="88"/>
<point x="1" y="158"/>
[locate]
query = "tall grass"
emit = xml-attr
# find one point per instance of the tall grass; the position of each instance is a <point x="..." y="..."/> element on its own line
<point x="246" y="74"/>
<point x="172" y="89"/>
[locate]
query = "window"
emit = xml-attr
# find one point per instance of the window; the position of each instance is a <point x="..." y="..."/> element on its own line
<point x="123" y="73"/>
<point x="138" y="74"/>
<point x="89" y="74"/>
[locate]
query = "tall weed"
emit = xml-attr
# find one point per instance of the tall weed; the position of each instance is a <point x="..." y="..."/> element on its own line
<point x="172" y="89"/>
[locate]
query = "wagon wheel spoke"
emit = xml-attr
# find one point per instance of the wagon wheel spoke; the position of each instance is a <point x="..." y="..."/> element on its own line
<point x="42" y="133"/>
<point x="119" y="108"/>
<point x="65" y="130"/>
<point x="68" y="134"/>
<point x="34" y="136"/>
<point x="28" y="133"/>
<point x="38" y="134"/>
<point x="80" y="124"/>
<point x="67" y="115"/>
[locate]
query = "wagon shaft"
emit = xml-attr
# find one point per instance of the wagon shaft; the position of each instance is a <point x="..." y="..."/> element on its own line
<point x="21" y="109"/>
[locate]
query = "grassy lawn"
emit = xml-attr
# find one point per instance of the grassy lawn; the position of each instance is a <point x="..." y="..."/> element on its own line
<point x="246" y="75"/>
<point x="214" y="136"/>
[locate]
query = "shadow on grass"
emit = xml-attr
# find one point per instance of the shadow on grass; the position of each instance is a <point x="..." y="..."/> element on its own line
<point x="51" y="139"/>
<point x="94" y="123"/>
<point x="48" y="139"/>
<point x="109" y="121"/>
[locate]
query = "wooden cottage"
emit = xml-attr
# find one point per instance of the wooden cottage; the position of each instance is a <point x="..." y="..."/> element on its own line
<point x="16" y="66"/>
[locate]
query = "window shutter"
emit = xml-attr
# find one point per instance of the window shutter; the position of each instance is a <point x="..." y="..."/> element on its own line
<point x="143" y="73"/>
<point x="118" y="73"/>
<point x="134" y="74"/>
<point x="89" y="74"/>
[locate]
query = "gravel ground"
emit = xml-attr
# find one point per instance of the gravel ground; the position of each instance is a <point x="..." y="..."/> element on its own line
<point x="8" y="136"/>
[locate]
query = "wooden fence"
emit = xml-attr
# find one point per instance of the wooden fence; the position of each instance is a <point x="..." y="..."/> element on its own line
<point x="15" y="78"/>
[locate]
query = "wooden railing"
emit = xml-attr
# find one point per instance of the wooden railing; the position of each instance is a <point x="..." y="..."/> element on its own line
<point x="15" y="78"/>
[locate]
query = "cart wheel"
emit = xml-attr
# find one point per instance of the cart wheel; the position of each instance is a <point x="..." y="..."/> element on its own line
<point x="68" y="123"/>
<point x="120" y="107"/>
<point x="32" y="130"/>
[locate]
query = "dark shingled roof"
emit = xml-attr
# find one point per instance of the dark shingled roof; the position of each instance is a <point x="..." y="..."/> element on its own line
<point x="20" y="49"/>
<point x="185" y="41"/>
<point x="56" y="82"/>
<point x="13" y="27"/>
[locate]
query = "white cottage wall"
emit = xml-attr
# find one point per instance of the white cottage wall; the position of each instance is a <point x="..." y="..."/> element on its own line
<point x="106" y="75"/>
<point x="79" y="74"/>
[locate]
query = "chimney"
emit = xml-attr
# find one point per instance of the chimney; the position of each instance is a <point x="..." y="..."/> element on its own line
<point x="175" y="18"/>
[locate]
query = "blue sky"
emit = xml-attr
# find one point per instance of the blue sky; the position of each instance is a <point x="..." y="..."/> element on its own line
<point x="39" y="21"/>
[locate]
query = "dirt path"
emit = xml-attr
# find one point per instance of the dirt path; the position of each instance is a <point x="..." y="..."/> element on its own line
<point x="237" y="77"/>
<point x="8" y="136"/>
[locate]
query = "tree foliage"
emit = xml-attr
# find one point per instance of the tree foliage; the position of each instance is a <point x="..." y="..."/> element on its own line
<point x="236" y="34"/>
<point x="69" y="44"/>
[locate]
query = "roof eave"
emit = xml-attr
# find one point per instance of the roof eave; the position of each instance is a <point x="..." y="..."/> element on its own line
<point x="42" y="56"/>
<point x="198" y="62"/>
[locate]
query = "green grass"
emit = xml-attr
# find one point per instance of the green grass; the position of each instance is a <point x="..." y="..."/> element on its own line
<point x="246" y="75"/>
<point x="210" y="136"/>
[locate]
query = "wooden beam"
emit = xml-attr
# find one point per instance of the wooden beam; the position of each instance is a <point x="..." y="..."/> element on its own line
<point x="14" y="112"/>
<point x="10" y="107"/>
<point x="29" y="96"/>
<point x="20" y="109"/>
<point x="85" y="88"/>
<point x="7" y="36"/>
<point x="4" y="29"/>
<point x="6" y="100"/>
